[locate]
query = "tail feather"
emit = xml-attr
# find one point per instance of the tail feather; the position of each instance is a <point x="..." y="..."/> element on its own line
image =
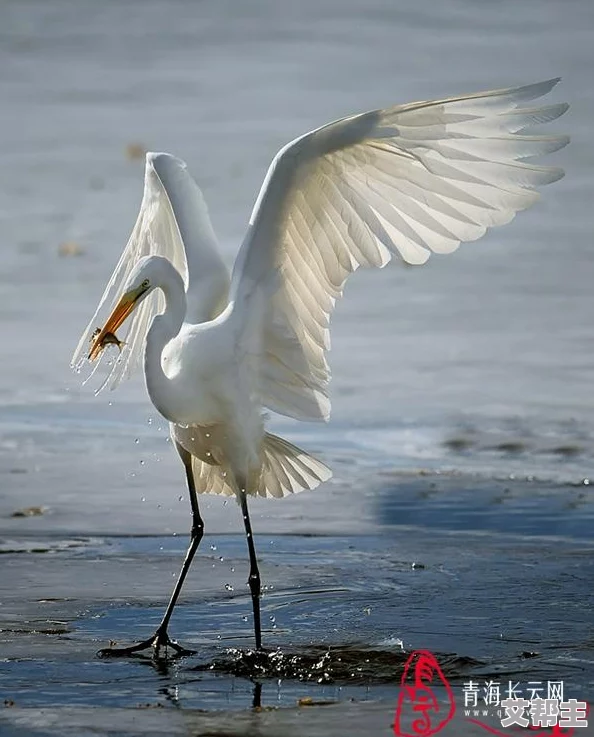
<point x="285" y="470"/>
<point x="211" y="479"/>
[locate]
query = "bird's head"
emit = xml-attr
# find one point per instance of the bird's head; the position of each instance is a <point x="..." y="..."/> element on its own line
<point x="141" y="282"/>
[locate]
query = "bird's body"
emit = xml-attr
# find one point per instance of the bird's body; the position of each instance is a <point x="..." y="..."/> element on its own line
<point x="221" y="349"/>
<point x="225" y="404"/>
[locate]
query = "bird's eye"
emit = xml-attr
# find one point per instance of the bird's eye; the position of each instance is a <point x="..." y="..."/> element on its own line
<point x="145" y="284"/>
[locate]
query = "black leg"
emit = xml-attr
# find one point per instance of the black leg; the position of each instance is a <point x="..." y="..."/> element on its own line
<point x="257" y="696"/>
<point x="160" y="639"/>
<point x="254" y="579"/>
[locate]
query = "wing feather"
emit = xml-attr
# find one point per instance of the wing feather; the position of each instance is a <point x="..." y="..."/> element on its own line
<point x="173" y="222"/>
<point x="409" y="180"/>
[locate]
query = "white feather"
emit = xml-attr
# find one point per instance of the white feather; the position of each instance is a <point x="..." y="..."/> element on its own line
<point x="173" y="222"/>
<point x="407" y="181"/>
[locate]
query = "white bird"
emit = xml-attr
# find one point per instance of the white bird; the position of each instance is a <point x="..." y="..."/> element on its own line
<point x="219" y="349"/>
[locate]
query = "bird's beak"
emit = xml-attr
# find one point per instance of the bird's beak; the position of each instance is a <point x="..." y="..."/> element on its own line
<point x="121" y="311"/>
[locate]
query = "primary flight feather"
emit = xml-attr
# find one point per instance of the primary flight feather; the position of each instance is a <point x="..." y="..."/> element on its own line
<point x="218" y="349"/>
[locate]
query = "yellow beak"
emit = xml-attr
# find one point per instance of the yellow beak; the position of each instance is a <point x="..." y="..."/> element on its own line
<point x="121" y="311"/>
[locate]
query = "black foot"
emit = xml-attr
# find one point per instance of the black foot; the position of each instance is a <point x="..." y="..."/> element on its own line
<point x="158" y="642"/>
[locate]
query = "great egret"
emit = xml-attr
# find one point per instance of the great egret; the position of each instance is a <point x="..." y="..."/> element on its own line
<point x="403" y="181"/>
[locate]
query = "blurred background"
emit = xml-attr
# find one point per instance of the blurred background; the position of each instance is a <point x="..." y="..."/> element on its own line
<point x="462" y="435"/>
<point x="479" y="360"/>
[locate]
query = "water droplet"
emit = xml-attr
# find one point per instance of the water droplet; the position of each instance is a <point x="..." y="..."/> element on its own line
<point x="232" y="569"/>
<point x="207" y="434"/>
<point x="168" y="439"/>
<point x="136" y="440"/>
<point x="150" y="420"/>
<point x="221" y="558"/>
<point x="218" y="637"/>
<point x="110" y="404"/>
<point x="245" y="619"/>
<point x="586" y="482"/>
<point x="228" y="587"/>
<point x="213" y="547"/>
<point x="225" y="502"/>
<point x="161" y="547"/>
<point x="159" y="428"/>
<point x="180" y="498"/>
<point x="142" y="463"/>
<point x="132" y="474"/>
<point x="143" y="499"/>
<point x="272" y="618"/>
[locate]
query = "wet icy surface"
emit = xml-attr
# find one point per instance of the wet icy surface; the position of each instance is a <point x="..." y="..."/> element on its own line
<point x="482" y="573"/>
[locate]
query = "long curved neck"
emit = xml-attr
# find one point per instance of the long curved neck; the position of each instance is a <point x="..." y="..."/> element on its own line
<point x="163" y="328"/>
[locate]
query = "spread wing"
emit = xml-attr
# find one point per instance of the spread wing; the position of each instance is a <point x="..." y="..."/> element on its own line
<point x="407" y="181"/>
<point x="173" y="222"/>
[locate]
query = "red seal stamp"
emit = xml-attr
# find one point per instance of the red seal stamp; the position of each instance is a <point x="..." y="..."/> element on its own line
<point x="426" y="705"/>
<point x="419" y="712"/>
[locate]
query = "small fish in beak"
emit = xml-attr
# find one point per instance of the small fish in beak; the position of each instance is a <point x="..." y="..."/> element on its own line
<point x="106" y="335"/>
<point x="107" y="339"/>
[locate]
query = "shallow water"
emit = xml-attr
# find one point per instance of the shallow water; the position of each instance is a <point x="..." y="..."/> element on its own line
<point x="460" y="516"/>
<point x="503" y="597"/>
